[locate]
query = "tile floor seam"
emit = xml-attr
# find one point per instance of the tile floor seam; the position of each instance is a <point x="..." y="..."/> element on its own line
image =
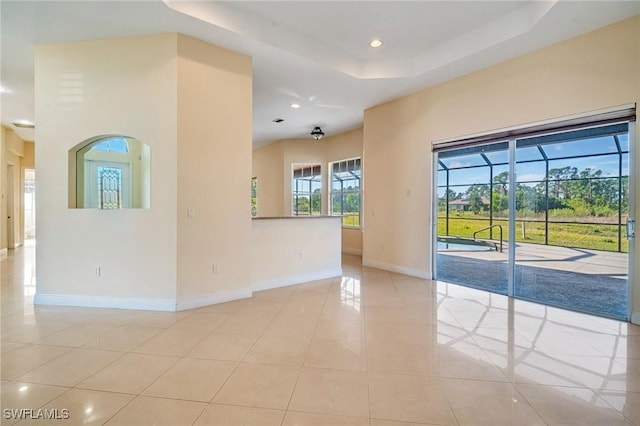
<point x="595" y="392"/>
<point x="557" y="386"/>
<point x="122" y="355"/>
<point x="295" y="386"/>
<point x="225" y="381"/>
<point x="141" y="393"/>
<point x="142" y="343"/>
<point x="120" y="410"/>
<point x="262" y="333"/>
<point x="535" y="410"/>
<point x="81" y="344"/>
<point x="40" y="365"/>
<point x="201" y="413"/>
<point x="53" y="398"/>
<point x="327" y="414"/>
<point x="315" y="330"/>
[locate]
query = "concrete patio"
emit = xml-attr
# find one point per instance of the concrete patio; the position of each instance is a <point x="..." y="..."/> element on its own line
<point x="578" y="279"/>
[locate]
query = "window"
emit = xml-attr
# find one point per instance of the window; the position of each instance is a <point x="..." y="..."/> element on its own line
<point x="109" y="187"/>
<point x="345" y="191"/>
<point x="254" y="196"/>
<point x="110" y="172"/>
<point x="113" y="144"/>
<point x="306" y="189"/>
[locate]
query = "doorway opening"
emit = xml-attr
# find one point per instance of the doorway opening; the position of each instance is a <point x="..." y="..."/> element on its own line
<point x="29" y="205"/>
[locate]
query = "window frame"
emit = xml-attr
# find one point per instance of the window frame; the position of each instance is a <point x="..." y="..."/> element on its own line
<point x="311" y="173"/>
<point x="254" y="196"/>
<point x="332" y="192"/>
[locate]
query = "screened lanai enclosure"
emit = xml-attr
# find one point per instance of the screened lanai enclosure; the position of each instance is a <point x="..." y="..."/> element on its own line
<point x="541" y="217"/>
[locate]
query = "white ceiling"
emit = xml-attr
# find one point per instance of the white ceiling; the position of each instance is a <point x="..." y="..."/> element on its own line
<point x="314" y="53"/>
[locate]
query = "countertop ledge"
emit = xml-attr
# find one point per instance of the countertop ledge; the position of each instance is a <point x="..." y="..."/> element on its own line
<point x="324" y="216"/>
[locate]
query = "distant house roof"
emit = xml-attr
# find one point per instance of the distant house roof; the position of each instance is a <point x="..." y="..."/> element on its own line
<point x="465" y="202"/>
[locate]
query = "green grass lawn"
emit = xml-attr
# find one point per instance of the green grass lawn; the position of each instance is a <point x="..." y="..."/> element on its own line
<point x="351" y="219"/>
<point x="589" y="236"/>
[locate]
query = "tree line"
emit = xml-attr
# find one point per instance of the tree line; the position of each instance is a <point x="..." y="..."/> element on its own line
<point x="347" y="201"/>
<point x="565" y="191"/>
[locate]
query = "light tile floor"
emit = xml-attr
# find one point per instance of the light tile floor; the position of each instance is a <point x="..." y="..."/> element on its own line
<point x="368" y="348"/>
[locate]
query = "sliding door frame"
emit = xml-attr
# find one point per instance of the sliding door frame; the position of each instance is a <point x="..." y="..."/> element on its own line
<point x="633" y="173"/>
<point x="598" y="118"/>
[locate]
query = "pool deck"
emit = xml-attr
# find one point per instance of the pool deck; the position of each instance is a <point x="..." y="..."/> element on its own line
<point x="585" y="280"/>
<point x="582" y="261"/>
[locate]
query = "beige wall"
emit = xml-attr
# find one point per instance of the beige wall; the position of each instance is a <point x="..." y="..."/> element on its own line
<point x="121" y="86"/>
<point x="269" y="169"/>
<point x="214" y="170"/>
<point x="294" y="250"/>
<point x="29" y="159"/>
<point x="273" y="163"/>
<point x="594" y="71"/>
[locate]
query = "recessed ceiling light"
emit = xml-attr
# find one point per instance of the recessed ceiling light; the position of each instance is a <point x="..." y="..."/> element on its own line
<point x="375" y="42"/>
<point x="294" y="106"/>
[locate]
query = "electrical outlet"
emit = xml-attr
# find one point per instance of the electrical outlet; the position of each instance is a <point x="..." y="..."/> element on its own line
<point x="98" y="271"/>
<point x="216" y="268"/>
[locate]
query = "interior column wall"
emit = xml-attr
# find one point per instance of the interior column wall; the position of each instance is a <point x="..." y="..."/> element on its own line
<point x="122" y="86"/>
<point x="214" y="173"/>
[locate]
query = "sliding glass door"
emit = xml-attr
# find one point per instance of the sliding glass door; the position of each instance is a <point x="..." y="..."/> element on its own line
<point x="572" y="202"/>
<point x="473" y="212"/>
<point x="541" y="217"/>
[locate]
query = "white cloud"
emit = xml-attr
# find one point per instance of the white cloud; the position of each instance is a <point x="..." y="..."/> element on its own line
<point x="457" y="164"/>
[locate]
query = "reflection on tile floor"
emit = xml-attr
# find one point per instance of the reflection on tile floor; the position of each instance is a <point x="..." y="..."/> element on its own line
<point x="368" y="348"/>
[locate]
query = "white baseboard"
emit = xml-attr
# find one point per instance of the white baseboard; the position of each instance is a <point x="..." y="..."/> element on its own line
<point x="105" y="302"/>
<point x="3" y="253"/>
<point x="212" y="299"/>
<point x="348" y="250"/>
<point x="295" y="279"/>
<point x="396" y="268"/>
<point x="172" y="305"/>
<point x="635" y="318"/>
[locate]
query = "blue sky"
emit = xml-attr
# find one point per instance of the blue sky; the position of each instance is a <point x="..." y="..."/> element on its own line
<point x="535" y="171"/>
